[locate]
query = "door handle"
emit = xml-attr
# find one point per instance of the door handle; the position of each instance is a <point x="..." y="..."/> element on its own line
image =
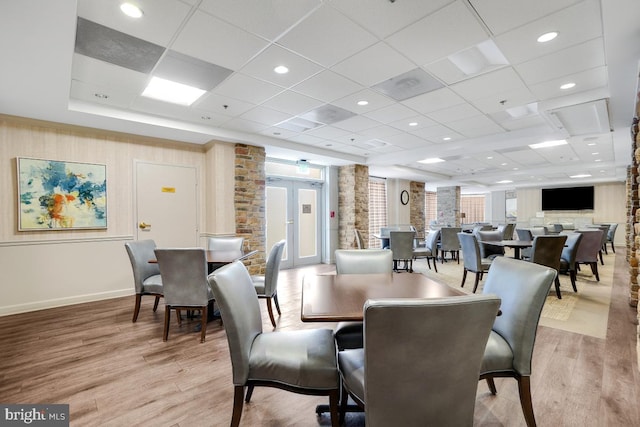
<point x="143" y="225"/>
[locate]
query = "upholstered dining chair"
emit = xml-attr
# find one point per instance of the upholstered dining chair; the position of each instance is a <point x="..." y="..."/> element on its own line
<point x="488" y="250"/>
<point x="146" y="275"/>
<point x="429" y="250"/>
<point x="449" y="243"/>
<point x="507" y="230"/>
<point x="354" y="261"/>
<point x="359" y="239"/>
<point x="568" y="257"/>
<point x="611" y="237"/>
<point x="522" y="287"/>
<point x="184" y="275"/>
<point x="525" y="235"/>
<point x="301" y="361"/>
<point x="439" y="342"/>
<point x="471" y="258"/>
<point x="401" y="245"/>
<point x="225" y="243"/>
<point x="589" y="250"/>
<point x="547" y="250"/>
<point x="603" y="248"/>
<point x="267" y="286"/>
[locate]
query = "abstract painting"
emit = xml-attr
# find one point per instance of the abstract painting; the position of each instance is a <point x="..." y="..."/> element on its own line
<point x="58" y="195"/>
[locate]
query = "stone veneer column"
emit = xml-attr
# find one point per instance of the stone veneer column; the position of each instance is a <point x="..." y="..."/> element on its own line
<point x="449" y="206"/>
<point x="353" y="204"/>
<point x="416" y="206"/>
<point x="249" y="200"/>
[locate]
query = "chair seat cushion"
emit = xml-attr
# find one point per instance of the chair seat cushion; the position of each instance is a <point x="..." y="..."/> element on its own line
<point x="497" y="355"/>
<point x="259" y="284"/>
<point x="303" y="358"/>
<point x="152" y="284"/>
<point x="422" y="252"/>
<point x="349" y="335"/>
<point x="351" y="364"/>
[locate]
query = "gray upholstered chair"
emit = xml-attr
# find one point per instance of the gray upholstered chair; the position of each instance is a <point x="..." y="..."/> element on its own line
<point x="302" y="361"/>
<point x="522" y="287"/>
<point x="449" y="243"/>
<point x="471" y="258"/>
<point x="488" y="250"/>
<point x="146" y="275"/>
<point x="547" y="250"/>
<point x="507" y="230"/>
<point x="611" y="235"/>
<point x="605" y="230"/>
<point x="401" y="244"/>
<point x="568" y="257"/>
<point x="267" y="286"/>
<point x="589" y="250"/>
<point x="422" y="368"/>
<point x="429" y="250"/>
<point x="359" y="239"/>
<point x="184" y="275"/>
<point x="525" y="235"/>
<point x="354" y="261"/>
<point x="225" y="243"/>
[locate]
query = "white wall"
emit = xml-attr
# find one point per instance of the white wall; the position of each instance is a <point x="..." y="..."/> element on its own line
<point x="397" y="213"/>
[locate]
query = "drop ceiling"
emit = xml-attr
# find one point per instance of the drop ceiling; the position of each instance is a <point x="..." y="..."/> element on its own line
<point x="464" y="81"/>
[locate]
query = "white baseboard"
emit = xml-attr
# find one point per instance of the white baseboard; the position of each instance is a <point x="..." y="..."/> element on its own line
<point x="61" y="302"/>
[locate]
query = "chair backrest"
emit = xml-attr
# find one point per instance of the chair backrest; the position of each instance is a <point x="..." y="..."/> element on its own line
<point x="589" y="246"/>
<point x="363" y="261"/>
<point x="524" y="234"/>
<point x="431" y="242"/>
<point x="489" y="236"/>
<point x="568" y="257"/>
<point x="558" y="228"/>
<point x="359" y="240"/>
<point x="184" y="276"/>
<point x="523" y="287"/>
<point x="470" y="252"/>
<point x="612" y="232"/>
<point x="225" y="243"/>
<point x="439" y="342"/>
<point x="449" y="238"/>
<point x="240" y="311"/>
<point x="401" y="244"/>
<point x="507" y="230"/>
<point x="273" y="268"/>
<point x="140" y="252"/>
<point x="605" y="230"/>
<point x="546" y="250"/>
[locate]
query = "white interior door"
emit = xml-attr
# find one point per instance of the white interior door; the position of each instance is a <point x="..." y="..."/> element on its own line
<point x="293" y="213"/>
<point x="166" y="204"/>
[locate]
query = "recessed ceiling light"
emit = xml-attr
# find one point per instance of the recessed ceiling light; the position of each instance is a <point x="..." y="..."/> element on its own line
<point x="591" y="144"/>
<point x="583" y="175"/>
<point x="503" y="164"/>
<point x="545" y="144"/>
<point x="490" y="157"/>
<point x="568" y="86"/>
<point x="595" y="154"/>
<point x="597" y="160"/>
<point x="131" y="10"/>
<point x="168" y="91"/>
<point x="363" y="102"/>
<point x="515" y="169"/>
<point x="431" y="160"/>
<point x="413" y="124"/>
<point x="547" y="37"/>
<point x="281" y="69"/>
<point x="504" y="181"/>
<point x="446" y="138"/>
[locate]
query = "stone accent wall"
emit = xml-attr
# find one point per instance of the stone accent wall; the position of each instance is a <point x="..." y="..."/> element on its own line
<point x="416" y="206"/>
<point x="449" y="206"/>
<point x="249" y="200"/>
<point x="353" y="204"/>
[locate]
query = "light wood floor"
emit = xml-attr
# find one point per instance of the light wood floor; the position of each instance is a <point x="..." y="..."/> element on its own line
<point x="116" y="373"/>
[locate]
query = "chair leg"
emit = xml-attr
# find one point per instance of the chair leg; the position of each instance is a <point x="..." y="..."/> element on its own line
<point x="167" y="316"/>
<point x="270" y="309"/>
<point x="600" y="254"/>
<point x="558" y="293"/>
<point x="524" y="387"/>
<point x="594" y="270"/>
<point x="464" y="277"/>
<point x="435" y="264"/>
<point x="572" y="275"/>
<point x="334" y="396"/>
<point x="344" y="398"/>
<point x="275" y="300"/>
<point x="238" y="394"/>
<point x="613" y="248"/>
<point x="458" y="256"/>
<point x="475" y="285"/>
<point x="249" y="393"/>
<point x="492" y="385"/>
<point x="203" y="323"/>
<point x="155" y="304"/>
<point x="136" y="308"/>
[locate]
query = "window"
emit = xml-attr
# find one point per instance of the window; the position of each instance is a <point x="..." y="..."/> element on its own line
<point x="430" y="207"/>
<point x="377" y="209"/>
<point x="472" y="205"/>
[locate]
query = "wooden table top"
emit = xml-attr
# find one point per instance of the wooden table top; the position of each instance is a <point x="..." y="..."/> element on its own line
<point x="222" y="257"/>
<point x="341" y="297"/>
<point x="509" y="243"/>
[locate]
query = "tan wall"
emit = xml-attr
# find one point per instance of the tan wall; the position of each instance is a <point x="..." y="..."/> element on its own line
<point x="49" y="268"/>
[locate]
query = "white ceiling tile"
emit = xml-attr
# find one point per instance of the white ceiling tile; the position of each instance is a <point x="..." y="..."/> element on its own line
<point x="374" y="64"/>
<point x="216" y="103"/>
<point x="512" y="98"/>
<point x="485" y="85"/>
<point x="109" y="76"/>
<point x="437" y="133"/>
<point x="474" y="127"/>
<point x="328" y="132"/>
<point x="247" y="89"/>
<point x="391" y="113"/>
<point x="327" y="86"/>
<point x="292" y="103"/>
<point x="374" y="99"/>
<point x="413" y="123"/>
<point x="407" y="141"/>
<point x="503" y="15"/>
<point x="244" y="125"/>
<point x="205" y="37"/>
<point x="277" y="132"/>
<point x="432" y="101"/>
<point x="266" y="116"/>
<point x="448" y="30"/>
<point x="586" y="80"/>
<point x="305" y="138"/>
<point x="357" y="124"/>
<point x="380" y="132"/>
<point x="562" y="63"/>
<point x="262" y="66"/>
<point x="265" y="18"/>
<point x="327" y="37"/>
<point x="87" y="92"/>
<point x="454" y="113"/>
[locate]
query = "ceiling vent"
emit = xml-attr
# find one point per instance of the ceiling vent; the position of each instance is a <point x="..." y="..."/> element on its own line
<point x="407" y="85"/>
<point x="582" y="119"/>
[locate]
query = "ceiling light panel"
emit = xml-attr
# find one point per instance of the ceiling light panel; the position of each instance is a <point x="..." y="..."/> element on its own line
<point x="108" y="45"/>
<point x="584" y="119"/>
<point x="408" y="85"/>
<point x="174" y="92"/>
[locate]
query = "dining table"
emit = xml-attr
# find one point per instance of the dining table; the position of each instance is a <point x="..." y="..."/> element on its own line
<point x="341" y="297"/>
<point x="516" y="245"/>
<point x="217" y="258"/>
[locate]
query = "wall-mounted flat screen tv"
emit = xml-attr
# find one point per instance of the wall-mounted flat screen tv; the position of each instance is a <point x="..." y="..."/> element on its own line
<point x="567" y="199"/>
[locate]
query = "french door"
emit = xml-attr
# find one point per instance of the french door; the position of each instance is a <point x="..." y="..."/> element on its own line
<point x="294" y="213"/>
